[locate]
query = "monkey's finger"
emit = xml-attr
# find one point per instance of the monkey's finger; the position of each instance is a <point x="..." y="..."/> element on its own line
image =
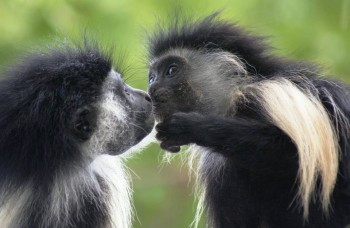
<point x="171" y="149"/>
<point x="174" y="149"/>
<point x="161" y="136"/>
<point x="161" y="127"/>
<point x="171" y="143"/>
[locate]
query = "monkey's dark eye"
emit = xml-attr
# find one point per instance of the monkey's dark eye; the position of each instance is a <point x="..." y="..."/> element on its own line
<point x="83" y="126"/>
<point x="152" y="77"/>
<point x="172" y="70"/>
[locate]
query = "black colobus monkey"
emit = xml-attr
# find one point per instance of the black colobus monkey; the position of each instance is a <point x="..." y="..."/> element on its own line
<point x="63" y="113"/>
<point x="272" y="134"/>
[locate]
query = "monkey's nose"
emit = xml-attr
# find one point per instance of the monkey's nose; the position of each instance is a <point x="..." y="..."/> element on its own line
<point x="147" y="97"/>
<point x="143" y="94"/>
<point x="152" y="90"/>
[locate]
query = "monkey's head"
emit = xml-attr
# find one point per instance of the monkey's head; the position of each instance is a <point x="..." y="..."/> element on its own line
<point x="185" y="80"/>
<point x="200" y="66"/>
<point x="71" y="99"/>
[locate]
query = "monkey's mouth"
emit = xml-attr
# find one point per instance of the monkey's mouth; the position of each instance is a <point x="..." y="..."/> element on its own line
<point x="143" y="118"/>
<point x="143" y="123"/>
<point x="161" y="102"/>
<point x="160" y="112"/>
<point x="144" y="128"/>
<point x="138" y="130"/>
<point x="166" y="104"/>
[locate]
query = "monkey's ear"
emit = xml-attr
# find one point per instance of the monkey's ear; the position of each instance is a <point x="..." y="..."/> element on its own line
<point x="84" y="122"/>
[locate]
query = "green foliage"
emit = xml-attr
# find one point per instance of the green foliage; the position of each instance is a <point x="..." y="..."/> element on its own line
<point x="307" y="30"/>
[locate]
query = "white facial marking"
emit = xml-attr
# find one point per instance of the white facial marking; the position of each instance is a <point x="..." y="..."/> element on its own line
<point x="112" y="122"/>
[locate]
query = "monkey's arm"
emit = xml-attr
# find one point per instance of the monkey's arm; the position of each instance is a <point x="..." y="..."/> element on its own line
<point x="245" y="140"/>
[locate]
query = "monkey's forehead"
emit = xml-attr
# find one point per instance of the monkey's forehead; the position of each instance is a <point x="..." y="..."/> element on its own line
<point x="182" y="53"/>
<point x="77" y="61"/>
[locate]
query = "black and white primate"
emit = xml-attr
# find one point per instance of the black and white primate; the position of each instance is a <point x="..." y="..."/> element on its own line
<point x="63" y="113"/>
<point x="272" y="134"/>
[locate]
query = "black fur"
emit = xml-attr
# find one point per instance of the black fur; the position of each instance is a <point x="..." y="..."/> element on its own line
<point x="256" y="184"/>
<point x="47" y="111"/>
<point x="211" y="34"/>
<point x="38" y="98"/>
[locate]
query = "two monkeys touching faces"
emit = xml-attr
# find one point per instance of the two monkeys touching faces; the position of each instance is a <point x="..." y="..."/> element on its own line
<point x="271" y="135"/>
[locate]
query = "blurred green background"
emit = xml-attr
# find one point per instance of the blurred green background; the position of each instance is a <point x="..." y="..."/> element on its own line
<point x="317" y="30"/>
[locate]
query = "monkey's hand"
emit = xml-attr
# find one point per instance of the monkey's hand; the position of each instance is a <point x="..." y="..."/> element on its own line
<point x="178" y="130"/>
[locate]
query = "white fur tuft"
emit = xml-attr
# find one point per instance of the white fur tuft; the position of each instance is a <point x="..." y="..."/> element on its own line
<point x="301" y="115"/>
<point x="13" y="206"/>
<point x="113" y="172"/>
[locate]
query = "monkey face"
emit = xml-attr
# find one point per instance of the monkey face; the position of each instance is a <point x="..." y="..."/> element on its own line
<point x="134" y="118"/>
<point x="170" y="86"/>
<point x="184" y="80"/>
<point x="120" y="119"/>
<point x="72" y="98"/>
